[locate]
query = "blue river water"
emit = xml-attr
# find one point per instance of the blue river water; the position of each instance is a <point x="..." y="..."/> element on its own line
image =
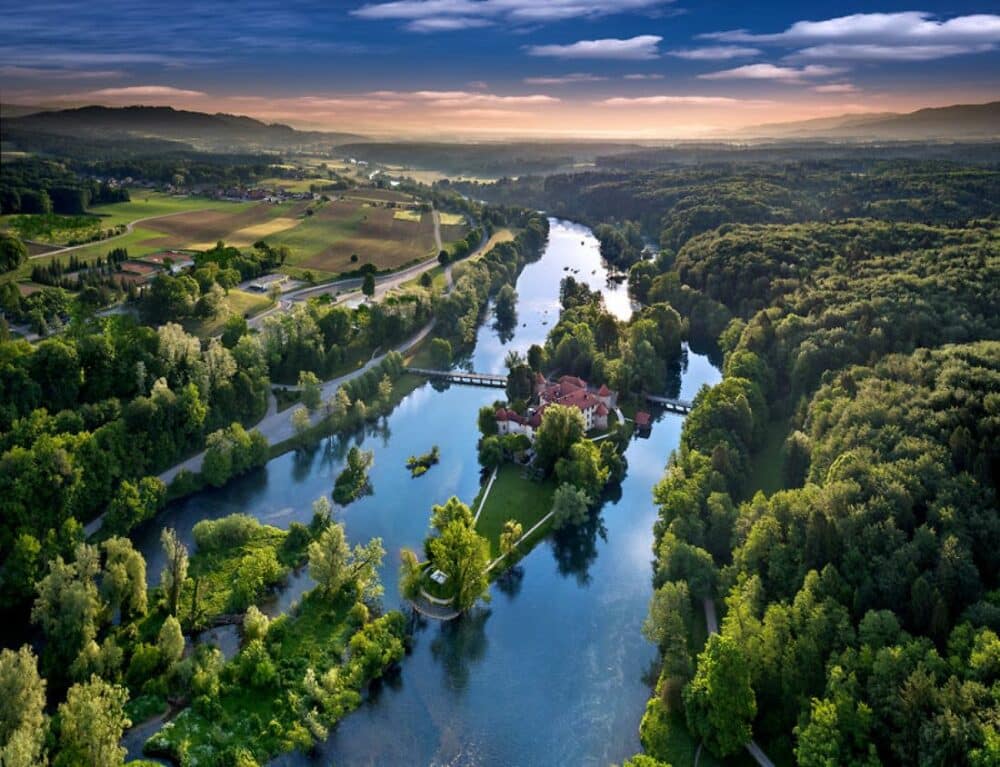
<point x="554" y="669"/>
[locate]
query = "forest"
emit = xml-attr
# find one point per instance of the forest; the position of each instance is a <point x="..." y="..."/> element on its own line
<point x="856" y="308"/>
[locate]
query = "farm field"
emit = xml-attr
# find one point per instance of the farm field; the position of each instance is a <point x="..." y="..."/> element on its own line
<point x="407" y="215"/>
<point x="146" y="203"/>
<point x="324" y="242"/>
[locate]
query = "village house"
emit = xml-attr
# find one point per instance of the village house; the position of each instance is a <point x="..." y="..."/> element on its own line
<point x="594" y="405"/>
<point x="176" y="261"/>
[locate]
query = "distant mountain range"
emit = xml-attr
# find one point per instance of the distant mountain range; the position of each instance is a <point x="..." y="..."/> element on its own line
<point x="169" y="123"/>
<point x="962" y="121"/>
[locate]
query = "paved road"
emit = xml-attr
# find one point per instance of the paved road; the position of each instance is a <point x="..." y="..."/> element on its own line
<point x="712" y="622"/>
<point x="277" y="426"/>
<point x="128" y="230"/>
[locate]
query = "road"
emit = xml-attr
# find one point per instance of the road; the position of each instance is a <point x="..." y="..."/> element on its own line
<point x="128" y="230"/>
<point x="277" y="426"/>
<point x="712" y="622"/>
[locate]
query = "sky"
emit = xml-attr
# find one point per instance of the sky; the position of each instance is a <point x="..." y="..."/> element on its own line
<point x="649" y="69"/>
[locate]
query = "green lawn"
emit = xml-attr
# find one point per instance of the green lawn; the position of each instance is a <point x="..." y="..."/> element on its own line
<point x="146" y="203"/>
<point x="513" y="497"/>
<point x="237" y="302"/>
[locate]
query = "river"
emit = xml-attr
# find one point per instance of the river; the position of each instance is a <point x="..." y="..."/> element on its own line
<point x="554" y="669"/>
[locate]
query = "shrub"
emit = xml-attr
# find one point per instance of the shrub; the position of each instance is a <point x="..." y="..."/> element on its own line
<point x="229" y="532"/>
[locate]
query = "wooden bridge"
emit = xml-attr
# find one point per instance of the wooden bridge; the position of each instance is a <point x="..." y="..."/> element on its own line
<point x="495" y="380"/>
<point x="680" y="406"/>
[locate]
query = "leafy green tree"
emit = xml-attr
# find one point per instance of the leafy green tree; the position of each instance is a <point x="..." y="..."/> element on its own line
<point x="570" y="507"/>
<point x="462" y="554"/>
<point x="334" y="566"/>
<point x="69" y="608"/>
<point x="23" y="723"/>
<point x="410" y="574"/>
<point x="487" y="420"/>
<point x="170" y="641"/>
<point x="12" y="252"/>
<point x="91" y="724"/>
<point x="352" y="482"/>
<point x="453" y="510"/>
<point x="368" y="285"/>
<point x="124" y="581"/>
<point x="510" y="535"/>
<point x="311" y="394"/>
<point x="561" y="428"/>
<point x="175" y="569"/>
<point x="720" y="702"/>
<point x="441" y="353"/>
<point x="255" y="624"/>
<point x="301" y="421"/>
<point x="491" y="452"/>
<point x="583" y="469"/>
<point x="134" y="503"/>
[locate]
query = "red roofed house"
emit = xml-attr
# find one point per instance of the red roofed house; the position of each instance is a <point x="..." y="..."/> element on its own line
<point x="643" y="422"/>
<point x="511" y="422"/>
<point x="574" y="392"/>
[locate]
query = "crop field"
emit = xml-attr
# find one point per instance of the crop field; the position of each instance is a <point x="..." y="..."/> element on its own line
<point x="451" y="219"/>
<point x="248" y="235"/>
<point x="146" y="203"/>
<point x="407" y="215"/>
<point x="324" y="243"/>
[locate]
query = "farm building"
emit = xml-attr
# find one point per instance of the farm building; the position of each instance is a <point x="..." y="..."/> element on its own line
<point x="266" y="282"/>
<point x="172" y="259"/>
<point x="138" y="272"/>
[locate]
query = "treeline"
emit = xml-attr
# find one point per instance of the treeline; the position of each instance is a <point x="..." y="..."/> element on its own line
<point x="458" y="312"/>
<point x="860" y="603"/>
<point x="83" y="413"/>
<point x="675" y="204"/>
<point x="33" y="185"/>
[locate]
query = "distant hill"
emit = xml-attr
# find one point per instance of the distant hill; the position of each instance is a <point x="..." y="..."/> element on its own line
<point x="177" y="124"/>
<point x="961" y="121"/>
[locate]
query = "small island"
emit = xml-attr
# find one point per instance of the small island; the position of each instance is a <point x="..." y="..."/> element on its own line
<point x="419" y="464"/>
<point x="353" y="480"/>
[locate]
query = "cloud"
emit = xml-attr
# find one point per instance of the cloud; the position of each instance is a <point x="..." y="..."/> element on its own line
<point x="652" y="101"/>
<point x="637" y="48"/>
<point x="576" y="77"/>
<point x="836" y="88"/>
<point x="873" y="52"/>
<point x="906" y="35"/>
<point x="715" y="53"/>
<point x="448" y="15"/>
<point x="143" y="91"/>
<point x="644" y="76"/>
<point x="46" y="73"/>
<point x="791" y="75"/>
<point x="463" y="99"/>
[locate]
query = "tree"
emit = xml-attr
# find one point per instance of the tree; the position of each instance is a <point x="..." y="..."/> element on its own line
<point x="175" y="570"/>
<point x="583" y="468"/>
<point x="301" y="421"/>
<point x="124" y="581"/>
<point x="441" y="353"/>
<point x="69" y="607"/>
<point x="334" y="566"/>
<point x="487" y="420"/>
<point x="505" y="306"/>
<point x="255" y="624"/>
<point x="570" y="507"/>
<point x="91" y="723"/>
<point x="134" y="503"/>
<point x="170" y="641"/>
<point x="453" y="510"/>
<point x="462" y="554"/>
<point x="368" y="285"/>
<point x="510" y="535"/>
<point x="443" y="257"/>
<point x="720" y="702"/>
<point x="23" y="723"/>
<point x="385" y="390"/>
<point x="12" y="252"/>
<point x="536" y="358"/>
<point x="339" y="404"/>
<point x="311" y="393"/>
<point x="560" y="429"/>
<point x="491" y="453"/>
<point x="410" y="574"/>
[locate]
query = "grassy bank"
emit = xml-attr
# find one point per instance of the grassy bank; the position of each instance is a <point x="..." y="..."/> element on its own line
<point x="517" y="498"/>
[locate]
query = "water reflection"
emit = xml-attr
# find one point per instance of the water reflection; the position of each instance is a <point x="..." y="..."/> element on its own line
<point x="554" y="670"/>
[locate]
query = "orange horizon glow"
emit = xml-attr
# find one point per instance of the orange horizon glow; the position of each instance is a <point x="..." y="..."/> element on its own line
<point x="475" y="114"/>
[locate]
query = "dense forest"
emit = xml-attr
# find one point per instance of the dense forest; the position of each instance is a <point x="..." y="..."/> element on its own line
<point x="856" y="306"/>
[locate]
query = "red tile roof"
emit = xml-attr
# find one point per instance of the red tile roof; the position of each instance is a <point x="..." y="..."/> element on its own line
<point x="642" y="418"/>
<point x="601" y="409"/>
<point x="604" y="391"/>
